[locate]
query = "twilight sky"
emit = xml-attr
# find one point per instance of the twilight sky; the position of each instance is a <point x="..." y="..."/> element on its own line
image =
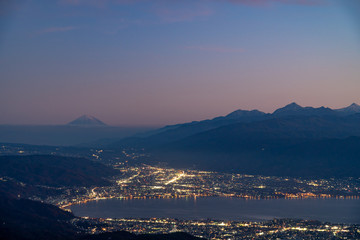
<point x="155" y="62"/>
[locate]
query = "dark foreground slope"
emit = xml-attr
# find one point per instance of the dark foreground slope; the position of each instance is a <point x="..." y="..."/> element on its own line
<point x="26" y="219"/>
<point x="23" y="219"/>
<point x="33" y="220"/>
<point x="55" y="171"/>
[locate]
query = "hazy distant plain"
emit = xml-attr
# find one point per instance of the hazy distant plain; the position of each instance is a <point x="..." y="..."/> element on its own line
<point x="62" y="134"/>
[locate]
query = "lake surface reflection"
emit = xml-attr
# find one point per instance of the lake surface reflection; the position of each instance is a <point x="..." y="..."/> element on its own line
<point x="326" y="210"/>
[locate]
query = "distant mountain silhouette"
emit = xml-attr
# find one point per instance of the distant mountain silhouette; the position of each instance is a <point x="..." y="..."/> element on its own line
<point x="173" y="133"/>
<point x="185" y="130"/>
<point x="285" y="146"/>
<point x="245" y="113"/>
<point x="294" y="109"/>
<point x="290" y="107"/>
<point x="352" y="109"/>
<point x="87" y="120"/>
<point x="179" y="131"/>
<point x="260" y="143"/>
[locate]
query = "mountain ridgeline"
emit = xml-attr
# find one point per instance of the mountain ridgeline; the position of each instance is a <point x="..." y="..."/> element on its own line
<point x="86" y="120"/>
<point x="292" y="141"/>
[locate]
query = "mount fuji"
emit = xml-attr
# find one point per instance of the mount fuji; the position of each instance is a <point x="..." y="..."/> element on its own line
<point x="87" y="120"/>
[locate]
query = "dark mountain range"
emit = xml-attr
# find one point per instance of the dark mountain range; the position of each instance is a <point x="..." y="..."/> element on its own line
<point x="294" y="109"/>
<point x="87" y="120"/>
<point x="271" y="157"/>
<point x="259" y="143"/>
<point x="55" y="170"/>
<point x="173" y="133"/>
<point x="179" y="131"/>
<point x="290" y="146"/>
<point x="293" y="119"/>
<point x="352" y="109"/>
<point x="250" y="115"/>
<point x="287" y="128"/>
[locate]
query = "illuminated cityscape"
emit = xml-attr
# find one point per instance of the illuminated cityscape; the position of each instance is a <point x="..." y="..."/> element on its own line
<point x="147" y="182"/>
<point x="141" y="181"/>
<point x="213" y="229"/>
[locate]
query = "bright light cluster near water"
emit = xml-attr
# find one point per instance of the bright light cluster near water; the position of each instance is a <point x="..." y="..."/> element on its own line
<point x="149" y="182"/>
<point x="219" y="229"/>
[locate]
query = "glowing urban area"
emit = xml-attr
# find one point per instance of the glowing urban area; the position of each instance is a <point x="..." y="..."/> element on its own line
<point x="141" y="181"/>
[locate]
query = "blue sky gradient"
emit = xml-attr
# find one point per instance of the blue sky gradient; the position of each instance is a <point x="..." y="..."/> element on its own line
<point x="158" y="62"/>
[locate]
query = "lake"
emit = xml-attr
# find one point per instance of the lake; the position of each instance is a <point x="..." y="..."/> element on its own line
<point x="326" y="210"/>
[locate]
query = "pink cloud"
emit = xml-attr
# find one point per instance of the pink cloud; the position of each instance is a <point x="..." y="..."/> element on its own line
<point x="267" y="2"/>
<point x="245" y="2"/>
<point x="182" y="15"/>
<point x="58" y="29"/>
<point x="96" y="3"/>
<point x="93" y="3"/>
<point x="9" y="6"/>
<point x="217" y="49"/>
<point x="54" y="30"/>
